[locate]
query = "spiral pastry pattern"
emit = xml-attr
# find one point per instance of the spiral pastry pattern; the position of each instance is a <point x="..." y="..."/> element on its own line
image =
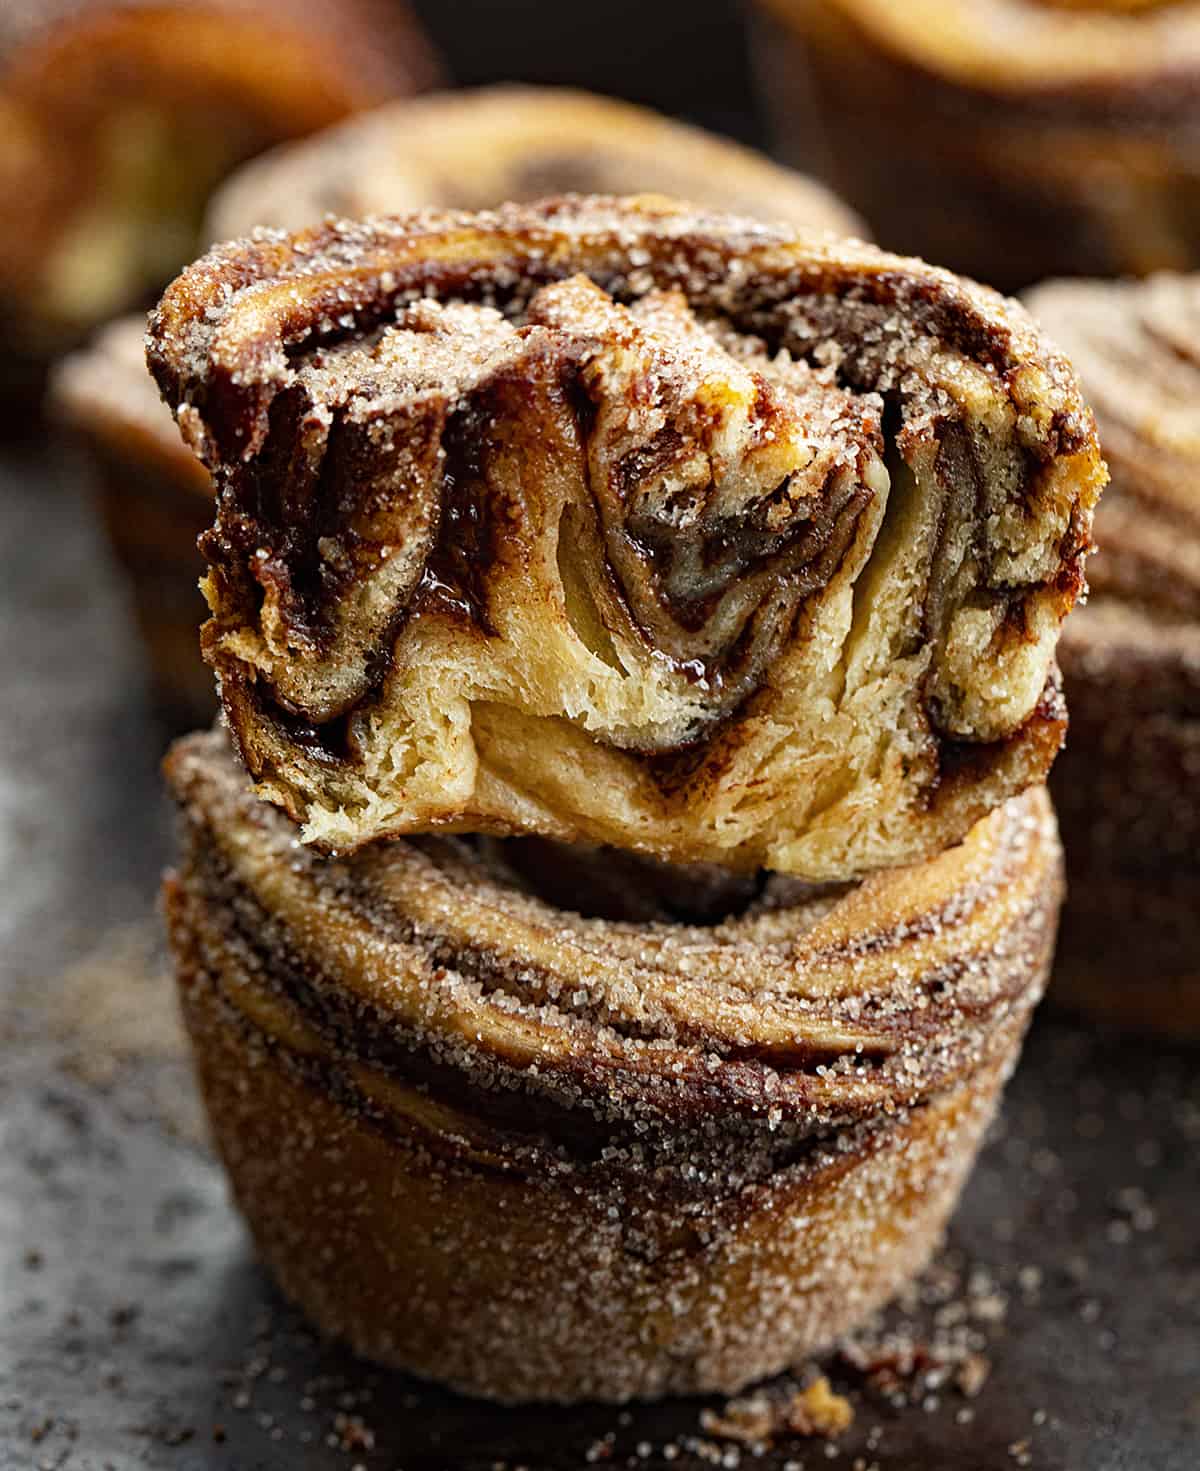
<point x="452" y="148"/>
<point x="618" y="522"/>
<point x="622" y="1157"/>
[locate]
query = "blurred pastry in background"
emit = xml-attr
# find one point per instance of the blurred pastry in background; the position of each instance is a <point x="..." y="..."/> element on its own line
<point x="470" y="150"/>
<point x="155" y="498"/>
<point x="118" y="119"/>
<point x="502" y="143"/>
<point x="615" y="521"/>
<point x="1009" y="139"/>
<point x="1127" y="786"/>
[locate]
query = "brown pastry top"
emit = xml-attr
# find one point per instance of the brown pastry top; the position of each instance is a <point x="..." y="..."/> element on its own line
<point x="1135" y="346"/>
<point x="618" y="521"/>
<point x="472" y="149"/>
<point x="1038" y="46"/>
<point x="118" y="117"/>
<point x="431" y="961"/>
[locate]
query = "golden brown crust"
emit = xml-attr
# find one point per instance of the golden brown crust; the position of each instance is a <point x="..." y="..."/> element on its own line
<point x="703" y="420"/>
<point x="119" y="119"/>
<point x="1127" y="789"/>
<point x="472" y="149"/>
<point x="409" y="1034"/>
<point x="1064" y="135"/>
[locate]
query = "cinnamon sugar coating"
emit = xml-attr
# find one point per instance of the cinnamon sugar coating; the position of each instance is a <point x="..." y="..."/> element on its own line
<point x="1064" y="134"/>
<point x="619" y="522"/>
<point x="472" y="149"/>
<point x="118" y="118"/>
<point x="623" y="1158"/>
<point x="1128" y="790"/>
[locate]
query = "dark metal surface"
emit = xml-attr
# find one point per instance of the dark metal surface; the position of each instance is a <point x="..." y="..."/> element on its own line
<point x="136" y="1329"/>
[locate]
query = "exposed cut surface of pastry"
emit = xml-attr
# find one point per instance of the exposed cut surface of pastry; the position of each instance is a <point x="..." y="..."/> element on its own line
<point x="472" y="149"/>
<point x="623" y="1157"/>
<point x="1064" y="134"/>
<point x="118" y="119"/>
<point x="616" y="522"/>
<point x="1128" y="789"/>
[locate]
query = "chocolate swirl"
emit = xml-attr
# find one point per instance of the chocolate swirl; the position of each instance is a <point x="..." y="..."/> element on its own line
<point x="613" y="521"/>
<point x="1127" y="791"/>
<point x="439" y="1094"/>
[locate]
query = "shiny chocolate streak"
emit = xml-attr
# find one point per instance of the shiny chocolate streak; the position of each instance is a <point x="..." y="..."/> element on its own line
<point x="280" y="517"/>
<point x="839" y="1008"/>
<point x="229" y="332"/>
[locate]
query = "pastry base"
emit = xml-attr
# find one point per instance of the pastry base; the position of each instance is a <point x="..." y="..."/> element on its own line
<point x="540" y="1156"/>
<point x="557" y="1284"/>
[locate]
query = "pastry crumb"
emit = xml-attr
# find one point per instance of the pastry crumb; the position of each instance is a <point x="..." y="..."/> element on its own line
<point x="760" y="1418"/>
<point x="820" y="1410"/>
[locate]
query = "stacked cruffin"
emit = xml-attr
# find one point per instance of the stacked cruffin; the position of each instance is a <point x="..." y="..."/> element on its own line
<point x="639" y="627"/>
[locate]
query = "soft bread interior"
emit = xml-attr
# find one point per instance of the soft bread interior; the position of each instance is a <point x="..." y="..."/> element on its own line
<point x="762" y="575"/>
<point x="575" y="655"/>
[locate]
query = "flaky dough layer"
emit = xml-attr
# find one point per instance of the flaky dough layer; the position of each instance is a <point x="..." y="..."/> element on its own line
<point x="459" y="149"/>
<point x="618" y="522"/>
